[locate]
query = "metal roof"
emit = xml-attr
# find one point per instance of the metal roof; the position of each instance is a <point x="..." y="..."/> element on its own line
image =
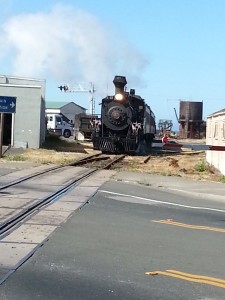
<point x="55" y="104"/>
<point x="217" y="112"/>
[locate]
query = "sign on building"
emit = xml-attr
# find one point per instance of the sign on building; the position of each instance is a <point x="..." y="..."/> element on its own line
<point x="7" y="104"/>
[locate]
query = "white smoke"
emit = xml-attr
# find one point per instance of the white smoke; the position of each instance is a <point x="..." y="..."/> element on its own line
<point x="67" y="44"/>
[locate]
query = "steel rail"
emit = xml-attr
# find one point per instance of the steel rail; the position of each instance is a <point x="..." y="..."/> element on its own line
<point x="30" y="210"/>
<point x="89" y="160"/>
<point x="114" y="161"/>
<point x="25" y="178"/>
<point x="14" y="222"/>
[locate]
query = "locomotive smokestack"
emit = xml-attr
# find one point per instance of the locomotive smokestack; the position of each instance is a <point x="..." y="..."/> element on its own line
<point x="119" y="82"/>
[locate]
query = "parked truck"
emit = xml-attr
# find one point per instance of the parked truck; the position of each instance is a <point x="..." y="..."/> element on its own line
<point x="57" y="124"/>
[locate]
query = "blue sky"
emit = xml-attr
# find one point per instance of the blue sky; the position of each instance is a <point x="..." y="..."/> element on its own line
<point x="169" y="50"/>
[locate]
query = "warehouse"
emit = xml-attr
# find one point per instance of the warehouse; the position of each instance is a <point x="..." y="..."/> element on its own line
<point x="26" y="127"/>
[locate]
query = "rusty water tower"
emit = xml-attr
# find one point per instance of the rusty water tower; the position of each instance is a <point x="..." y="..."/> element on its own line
<point x="190" y="119"/>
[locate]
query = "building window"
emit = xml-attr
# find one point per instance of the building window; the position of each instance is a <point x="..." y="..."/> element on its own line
<point x="223" y="131"/>
<point x="209" y="129"/>
<point x="215" y="135"/>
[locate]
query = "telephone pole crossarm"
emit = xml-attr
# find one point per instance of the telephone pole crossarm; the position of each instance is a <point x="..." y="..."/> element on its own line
<point x="79" y="88"/>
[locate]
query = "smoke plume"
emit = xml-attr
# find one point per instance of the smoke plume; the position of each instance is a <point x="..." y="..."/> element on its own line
<point x="67" y="44"/>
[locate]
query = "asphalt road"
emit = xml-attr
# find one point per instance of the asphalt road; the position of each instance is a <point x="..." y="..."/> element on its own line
<point x="105" y="250"/>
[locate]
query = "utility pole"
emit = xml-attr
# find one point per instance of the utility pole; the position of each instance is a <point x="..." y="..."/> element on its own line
<point x="79" y="88"/>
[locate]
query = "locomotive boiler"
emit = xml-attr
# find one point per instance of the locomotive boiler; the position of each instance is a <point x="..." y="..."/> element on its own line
<point x="126" y="122"/>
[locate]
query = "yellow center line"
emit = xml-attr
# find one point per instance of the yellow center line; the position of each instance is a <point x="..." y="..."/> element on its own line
<point x="191" y="277"/>
<point x="197" y="276"/>
<point x="169" y="222"/>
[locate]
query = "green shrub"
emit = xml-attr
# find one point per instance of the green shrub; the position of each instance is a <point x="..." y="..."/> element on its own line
<point x="222" y="179"/>
<point x="15" y="158"/>
<point x="202" y="166"/>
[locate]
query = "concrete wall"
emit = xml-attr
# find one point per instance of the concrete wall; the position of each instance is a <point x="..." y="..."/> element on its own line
<point x="28" y="123"/>
<point x="215" y="135"/>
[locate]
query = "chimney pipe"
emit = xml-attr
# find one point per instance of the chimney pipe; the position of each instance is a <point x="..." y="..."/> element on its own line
<point x="119" y="82"/>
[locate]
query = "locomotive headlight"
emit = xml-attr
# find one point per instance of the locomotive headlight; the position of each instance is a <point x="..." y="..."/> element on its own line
<point x="119" y="97"/>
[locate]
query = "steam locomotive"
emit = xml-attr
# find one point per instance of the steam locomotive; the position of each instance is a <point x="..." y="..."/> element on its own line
<point x="126" y="122"/>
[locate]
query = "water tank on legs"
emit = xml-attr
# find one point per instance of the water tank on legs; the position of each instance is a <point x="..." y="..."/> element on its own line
<point x="190" y="119"/>
<point x="191" y="111"/>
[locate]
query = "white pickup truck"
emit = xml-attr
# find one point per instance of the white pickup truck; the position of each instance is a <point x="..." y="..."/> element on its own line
<point x="57" y="125"/>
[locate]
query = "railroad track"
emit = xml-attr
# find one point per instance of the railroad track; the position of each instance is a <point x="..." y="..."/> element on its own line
<point x="101" y="161"/>
<point x="36" y="174"/>
<point x="34" y="206"/>
<point x="94" y="164"/>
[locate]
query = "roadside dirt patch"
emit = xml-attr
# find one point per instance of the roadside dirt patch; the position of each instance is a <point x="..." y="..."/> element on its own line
<point x="187" y="163"/>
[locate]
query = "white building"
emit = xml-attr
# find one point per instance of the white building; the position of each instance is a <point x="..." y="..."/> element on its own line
<point x="215" y="136"/>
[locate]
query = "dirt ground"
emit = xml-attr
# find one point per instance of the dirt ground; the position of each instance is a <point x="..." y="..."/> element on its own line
<point x="187" y="163"/>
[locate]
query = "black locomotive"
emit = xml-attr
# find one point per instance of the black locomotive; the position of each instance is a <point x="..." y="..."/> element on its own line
<point x="126" y="123"/>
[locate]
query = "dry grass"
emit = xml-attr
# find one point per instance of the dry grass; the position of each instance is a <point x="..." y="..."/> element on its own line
<point x="189" y="164"/>
<point x="186" y="164"/>
<point x="56" y="150"/>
